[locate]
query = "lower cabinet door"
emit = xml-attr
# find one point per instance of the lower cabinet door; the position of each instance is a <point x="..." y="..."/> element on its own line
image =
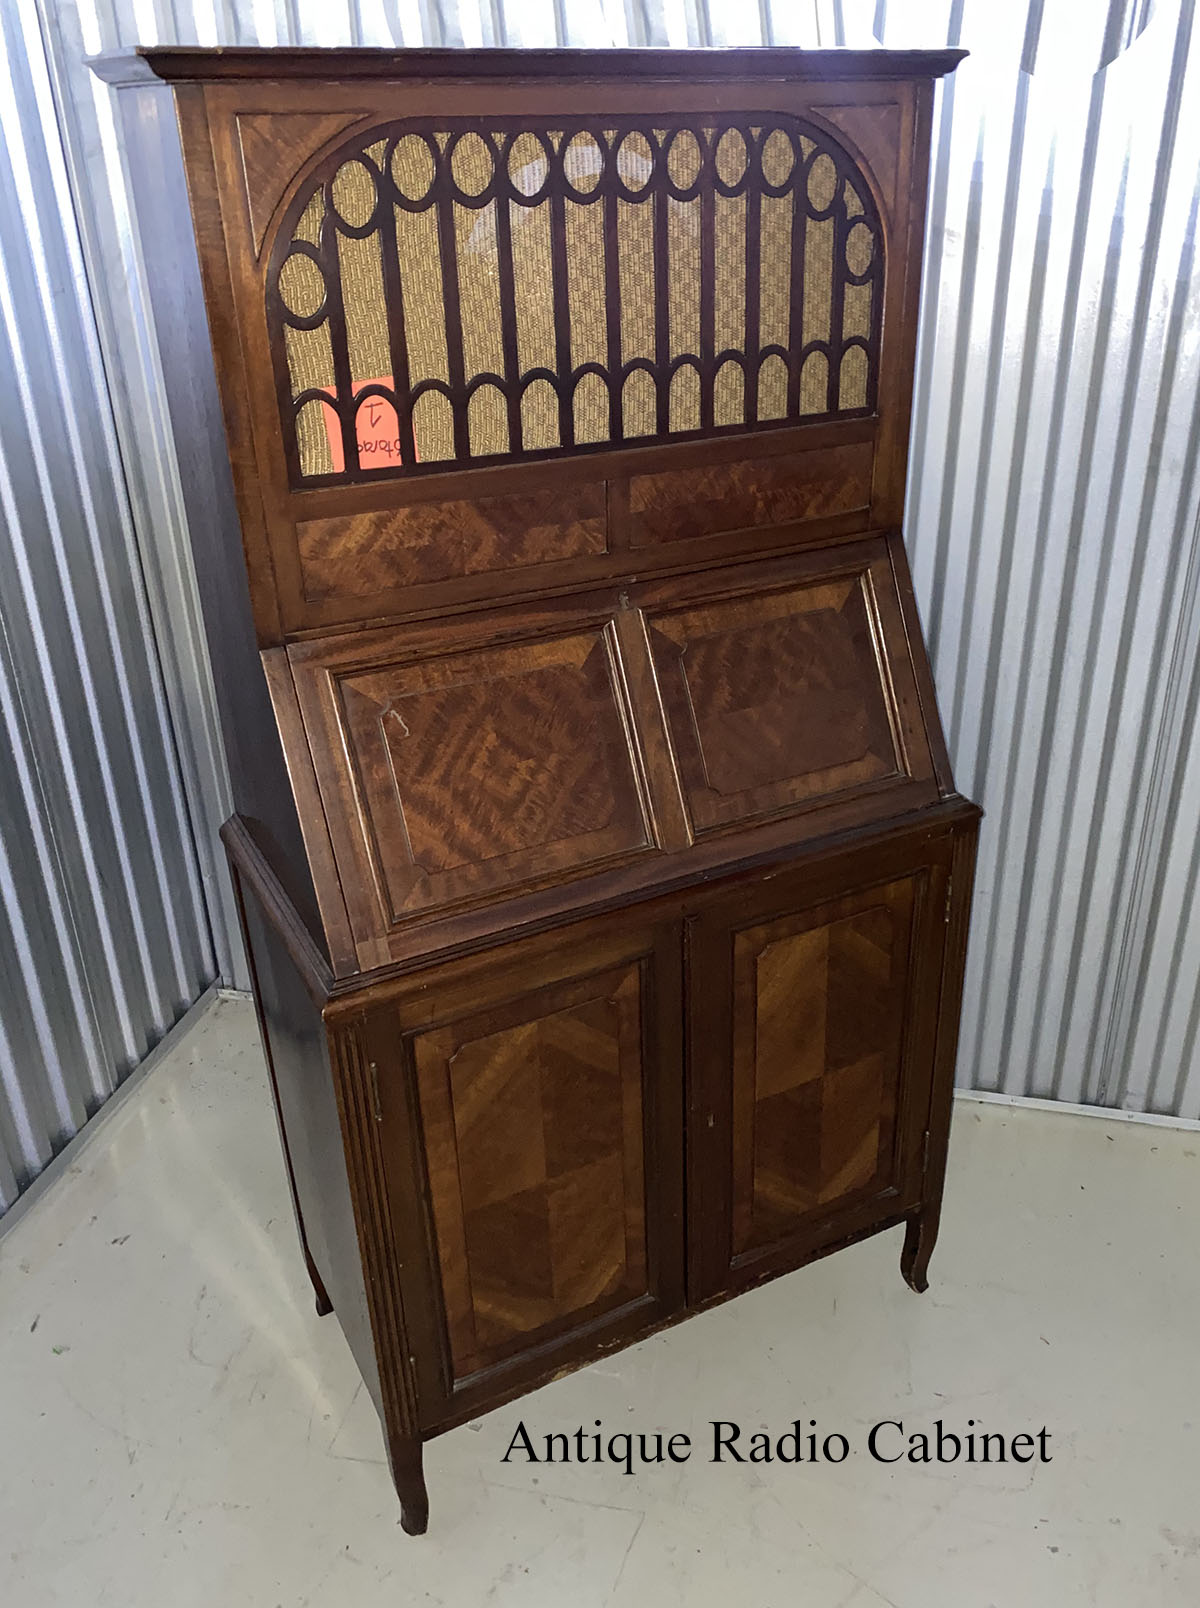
<point x="538" y="1101"/>
<point x="814" y="1004"/>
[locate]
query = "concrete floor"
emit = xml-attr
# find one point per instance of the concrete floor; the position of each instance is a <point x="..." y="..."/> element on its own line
<point x="177" y="1427"/>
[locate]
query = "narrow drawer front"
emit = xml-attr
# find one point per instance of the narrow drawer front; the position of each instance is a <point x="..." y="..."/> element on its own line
<point x="371" y="555"/>
<point x="750" y="494"/>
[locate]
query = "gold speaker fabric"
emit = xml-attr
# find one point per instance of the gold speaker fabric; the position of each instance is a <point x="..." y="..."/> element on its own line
<point x="444" y="294"/>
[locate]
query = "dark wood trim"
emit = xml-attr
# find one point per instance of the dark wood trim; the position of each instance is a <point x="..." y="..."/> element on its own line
<point x="905" y="239"/>
<point x="184" y="63"/>
<point x="221" y="307"/>
<point x="353" y="1075"/>
<point x="313" y="825"/>
<point x="923" y="1227"/>
<point x="758" y="856"/>
<point x="250" y="863"/>
<point x="496" y="480"/>
<point x="920" y="662"/>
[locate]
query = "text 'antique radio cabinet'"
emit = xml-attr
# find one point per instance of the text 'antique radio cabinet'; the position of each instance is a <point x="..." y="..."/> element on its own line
<point x="602" y="874"/>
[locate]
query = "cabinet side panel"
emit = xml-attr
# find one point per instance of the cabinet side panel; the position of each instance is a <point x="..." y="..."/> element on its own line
<point x="261" y="794"/>
<point x="296" y="1046"/>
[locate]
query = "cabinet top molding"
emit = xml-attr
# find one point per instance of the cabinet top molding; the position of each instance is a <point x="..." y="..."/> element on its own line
<point x="186" y="64"/>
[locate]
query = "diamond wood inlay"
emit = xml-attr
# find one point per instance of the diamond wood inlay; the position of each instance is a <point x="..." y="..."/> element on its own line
<point x="535" y="1134"/>
<point x="818" y="1034"/>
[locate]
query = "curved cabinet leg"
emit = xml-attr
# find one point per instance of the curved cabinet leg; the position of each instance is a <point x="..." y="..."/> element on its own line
<point x="920" y="1236"/>
<point x="406" y="1462"/>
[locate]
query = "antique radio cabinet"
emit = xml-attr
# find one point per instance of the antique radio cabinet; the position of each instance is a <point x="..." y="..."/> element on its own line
<point x="603" y="880"/>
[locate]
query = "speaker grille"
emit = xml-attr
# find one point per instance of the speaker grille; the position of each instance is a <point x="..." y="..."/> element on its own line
<point x="454" y="293"/>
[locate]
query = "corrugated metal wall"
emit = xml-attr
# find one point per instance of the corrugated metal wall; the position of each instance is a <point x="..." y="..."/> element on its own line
<point x="104" y="939"/>
<point x="1053" y="526"/>
<point x="1054" y="523"/>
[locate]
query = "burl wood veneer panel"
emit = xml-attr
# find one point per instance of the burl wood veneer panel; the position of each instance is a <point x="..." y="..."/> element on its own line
<point x="781" y="699"/>
<point x="453" y="776"/>
<point x="533" y="1124"/>
<point x="818" y="1022"/>
<point x="679" y="504"/>
<point x="365" y="555"/>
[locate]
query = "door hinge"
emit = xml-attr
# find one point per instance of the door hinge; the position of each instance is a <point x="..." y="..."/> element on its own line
<point x="925" y="1153"/>
<point x="949" y="900"/>
<point x="374" y="1068"/>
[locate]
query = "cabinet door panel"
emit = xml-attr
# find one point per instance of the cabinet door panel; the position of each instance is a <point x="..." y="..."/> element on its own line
<point x="813" y="1029"/>
<point x="534" y="1136"/>
<point x="817" y="1042"/>
<point x="548" y="1095"/>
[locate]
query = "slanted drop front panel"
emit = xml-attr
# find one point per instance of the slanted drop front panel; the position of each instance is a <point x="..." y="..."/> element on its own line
<point x="620" y="735"/>
<point x="781" y="698"/>
<point x="451" y="777"/>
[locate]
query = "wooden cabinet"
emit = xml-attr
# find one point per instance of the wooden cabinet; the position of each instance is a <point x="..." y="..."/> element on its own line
<point x="603" y="877"/>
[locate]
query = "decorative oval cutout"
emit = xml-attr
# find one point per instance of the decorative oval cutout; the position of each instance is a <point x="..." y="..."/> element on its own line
<point x="639" y="405"/>
<point x="583" y="163"/>
<point x="528" y="164"/>
<point x="301" y="285"/>
<point x="684" y="159"/>
<point x="772" y="388"/>
<point x="822" y="182"/>
<point x="860" y="248"/>
<point x="729" y="394"/>
<point x="412" y="167"/>
<point x="354" y="194"/>
<point x="852" y="383"/>
<point x="377" y="431"/>
<point x="471" y="163"/>
<point x="590" y="407"/>
<point x="684" y="400"/>
<point x="317" y="429"/>
<point x="814" y="383"/>
<point x="635" y="161"/>
<point x="731" y="158"/>
<point x="778" y="158"/>
<point x="487" y="422"/>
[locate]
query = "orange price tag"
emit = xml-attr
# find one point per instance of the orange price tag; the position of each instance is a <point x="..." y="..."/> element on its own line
<point x="378" y="431"/>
